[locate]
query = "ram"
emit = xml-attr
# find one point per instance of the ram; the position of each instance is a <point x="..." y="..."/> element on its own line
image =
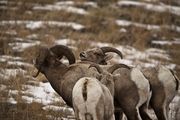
<point x="164" y="83"/>
<point x="93" y="98"/>
<point x="63" y="78"/>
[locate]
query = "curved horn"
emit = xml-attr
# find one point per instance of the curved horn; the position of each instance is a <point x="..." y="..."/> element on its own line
<point x="99" y="69"/>
<point x="61" y="50"/>
<point x="111" y="49"/>
<point x="116" y="66"/>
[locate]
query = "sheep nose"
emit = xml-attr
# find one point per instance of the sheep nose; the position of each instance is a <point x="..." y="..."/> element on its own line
<point x="83" y="54"/>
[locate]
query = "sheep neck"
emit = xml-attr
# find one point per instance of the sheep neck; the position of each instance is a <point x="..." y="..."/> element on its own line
<point x="54" y="74"/>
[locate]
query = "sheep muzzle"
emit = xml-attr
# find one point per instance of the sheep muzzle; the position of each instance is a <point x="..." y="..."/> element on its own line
<point x="36" y="74"/>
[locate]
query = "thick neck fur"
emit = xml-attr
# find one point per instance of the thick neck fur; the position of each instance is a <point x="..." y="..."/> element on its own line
<point x="54" y="73"/>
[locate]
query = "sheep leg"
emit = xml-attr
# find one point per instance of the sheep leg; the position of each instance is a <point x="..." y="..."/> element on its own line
<point x="132" y="114"/>
<point x="118" y="115"/>
<point x="143" y="112"/>
<point x="159" y="107"/>
<point x="112" y="118"/>
<point x="160" y="112"/>
<point x="118" y="111"/>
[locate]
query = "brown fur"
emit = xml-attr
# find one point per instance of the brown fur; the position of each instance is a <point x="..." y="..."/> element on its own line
<point x="126" y="93"/>
<point x="158" y="90"/>
<point x="60" y="75"/>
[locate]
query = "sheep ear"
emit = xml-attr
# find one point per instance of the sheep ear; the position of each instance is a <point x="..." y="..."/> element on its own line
<point x="108" y="57"/>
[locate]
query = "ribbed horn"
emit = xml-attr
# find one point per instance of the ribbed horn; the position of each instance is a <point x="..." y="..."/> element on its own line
<point x="116" y="66"/>
<point x="99" y="69"/>
<point x="111" y="49"/>
<point x="61" y="50"/>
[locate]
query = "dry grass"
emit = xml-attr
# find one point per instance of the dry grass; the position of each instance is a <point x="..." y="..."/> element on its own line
<point x="99" y="25"/>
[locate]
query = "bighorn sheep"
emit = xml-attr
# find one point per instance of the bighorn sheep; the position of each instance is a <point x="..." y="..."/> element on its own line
<point x="60" y="76"/>
<point x="98" y="55"/>
<point x="163" y="81"/>
<point x="131" y="80"/>
<point x="93" y="98"/>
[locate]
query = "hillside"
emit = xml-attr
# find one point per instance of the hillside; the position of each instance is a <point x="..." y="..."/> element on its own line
<point x="146" y="31"/>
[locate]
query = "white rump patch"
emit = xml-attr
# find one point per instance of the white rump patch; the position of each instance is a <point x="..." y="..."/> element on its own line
<point x="142" y="84"/>
<point x="94" y="92"/>
<point x="168" y="81"/>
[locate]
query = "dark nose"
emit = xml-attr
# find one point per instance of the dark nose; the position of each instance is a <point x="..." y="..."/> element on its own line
<point x="82" y="54"/>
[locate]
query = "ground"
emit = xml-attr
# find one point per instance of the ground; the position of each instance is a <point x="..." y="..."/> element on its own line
<point x="146" y="31"/>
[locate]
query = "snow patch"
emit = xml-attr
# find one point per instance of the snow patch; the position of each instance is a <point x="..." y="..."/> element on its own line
<point x="12" y="100"/>
<point x="19" y="63"/>
<point x="2" y="87"/>
<point x="64" y="41"/>
<point x="8" y="73"/>
<point x="5" y="58"/>
<point x="32" y="36"/>
<point x="152" y="7"/>
<point x="21" y="46"/>
<point x="127" y="23"/>
<point x="133" y="57"/>
<point x="43" y="93"/>
<point x="66" y="6"/>
<point x="57" y="108"/>
<point x="41" y="24"/>
<point x="163" y="42"/>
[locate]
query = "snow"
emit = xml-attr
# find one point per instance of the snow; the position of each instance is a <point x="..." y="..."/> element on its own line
<point x="62" y="41"/>
<point x="34" y="25"/>
<point x="123" y="30"/>
<point x="127" y="23"/>
<point x="43" y="93"/>
<point x="3" y="2"/>
<point x="32" y="36"/>
<point x="2" y="87"/>
<point x="92" y="4"/>
<point x="19" y="63"/>
<point x="4" y="58"/>
<point x="11" y="32"/>
<point x="57" y="108"/>
<point x="157" y="8"/>
<point x="36" y="91"/>
<point x="21" y="46"/>
<point x="8" y="73"/>
<point x="133" y="57"/>
<point x="66" y="6"/>
<point x="65" y="41"/>
<point x="163" y="42"/>
<point x="41" y="24"/>
<point x="12" y="100"/>
<point x="75" y="26"/>
<point x="65" y="3"/>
